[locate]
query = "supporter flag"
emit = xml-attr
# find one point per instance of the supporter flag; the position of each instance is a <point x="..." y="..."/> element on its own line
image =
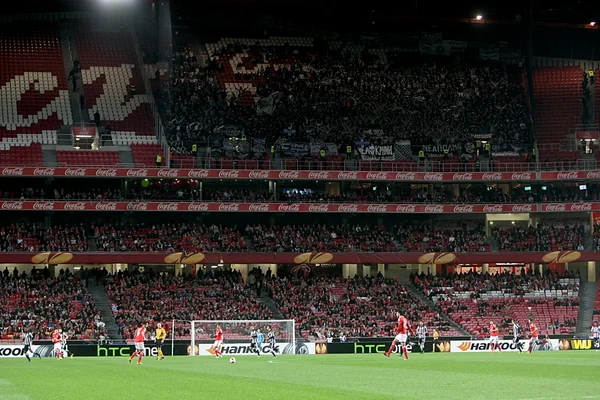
<point x="267" y="105"/>
<point x="259" y="145"/>
<point x="402" y="150"/>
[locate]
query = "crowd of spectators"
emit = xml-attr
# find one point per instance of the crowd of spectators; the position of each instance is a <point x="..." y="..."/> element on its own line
<point x="39" y="302"/>
<point x="443" y="236"/>
<point x="137" y="297"/>
<point x="36" y="237"/>
<point x="319" y="237"/>
<point x="540" y="238"/>
<point x="169" y="237"/>
<point x="328" y="93"/>
<point x="327" y="306"/>
<point x="473" y="299"/>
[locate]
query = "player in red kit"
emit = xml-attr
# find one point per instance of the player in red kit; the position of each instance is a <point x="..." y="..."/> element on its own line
<point x="57" y="342"/>
<point x="401" y="336"/>
<point x="140" y="336"/>
<point x="494" y="337"/>
<point x="533" y="331"/>
<point x="218" y="342"/>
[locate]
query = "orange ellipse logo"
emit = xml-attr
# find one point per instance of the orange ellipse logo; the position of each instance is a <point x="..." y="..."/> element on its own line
<point x="181" y="258"/>
<point x="437" y="258"/>
<point x="52" y="258"/>
<point x="561" y="257"/>
<point x="313" y="258"/>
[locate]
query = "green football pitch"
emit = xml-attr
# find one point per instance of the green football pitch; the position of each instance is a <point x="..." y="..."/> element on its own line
<point x="511" y="376"/>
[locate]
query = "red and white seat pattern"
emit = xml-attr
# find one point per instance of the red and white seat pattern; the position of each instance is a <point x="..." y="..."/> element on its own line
<point x="88" y="158"/>
<point x="125" y="138"/>
<point x="34" y="95"/>
<point x="144" y="155"/>
<point x="109" y="68"/>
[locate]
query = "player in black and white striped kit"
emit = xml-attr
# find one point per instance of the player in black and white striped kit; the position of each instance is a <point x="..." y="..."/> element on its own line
<point x="271" y="339"/>
<point x="516" y="333"/>
<point x="421" y="335"/>
<point x="254" y="341"/>
<point x="596" y="335"/>
<point x="27" y="342"/>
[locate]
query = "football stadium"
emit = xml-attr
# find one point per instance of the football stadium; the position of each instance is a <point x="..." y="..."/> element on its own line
<point x="246" y="199"/>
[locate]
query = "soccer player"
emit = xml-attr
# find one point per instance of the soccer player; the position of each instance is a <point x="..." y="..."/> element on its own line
<point x="533" y="331"/>
<point x="27" y="342"/>
<point x="57" y="342"/>
<point x="596" y="335"/>
<point x="218" y="342"/>
<point x="161" y="334"/>
<point x="260" y="338"/>
<point x="422" y="335"/>
<point x="401" y="336"/>
<point x="516" y="333"/>
<point x="253" y="341"/>
<point x="140" y="336"/>
<point x="494" y="337"/>
<point x="272" y="344"/>
<point x="63" y="343"/>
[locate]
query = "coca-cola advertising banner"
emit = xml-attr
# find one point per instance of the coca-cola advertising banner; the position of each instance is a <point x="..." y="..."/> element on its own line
<point x="80" y="172"/>
<point x="295" y="258"/>
<point x="287" y="207"/>
<point x="569" y="175"/>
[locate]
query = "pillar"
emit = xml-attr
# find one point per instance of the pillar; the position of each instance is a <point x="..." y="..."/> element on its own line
<point x="485" y="268"/>
<point x="591" y="271"/>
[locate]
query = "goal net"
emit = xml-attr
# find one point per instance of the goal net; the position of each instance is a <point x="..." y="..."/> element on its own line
<point x="236" y="336"/>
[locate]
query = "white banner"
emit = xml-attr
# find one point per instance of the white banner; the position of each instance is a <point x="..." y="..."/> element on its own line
<point x="14" y="350"/>
<point x="243" y="349"/>
<point x="474" y="346"/>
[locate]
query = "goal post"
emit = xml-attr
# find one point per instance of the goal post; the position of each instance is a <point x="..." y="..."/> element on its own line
<point x="236" y="336"/>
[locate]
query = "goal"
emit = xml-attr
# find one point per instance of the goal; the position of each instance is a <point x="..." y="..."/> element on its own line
<point x="236" y="336"/>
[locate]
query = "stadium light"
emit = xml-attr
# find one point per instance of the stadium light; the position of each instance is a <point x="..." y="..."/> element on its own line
<point x="593" y="23"/>
<point x="479" y="17"/>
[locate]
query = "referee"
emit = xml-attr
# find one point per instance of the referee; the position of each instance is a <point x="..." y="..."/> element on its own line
<point x="161" y="334"/>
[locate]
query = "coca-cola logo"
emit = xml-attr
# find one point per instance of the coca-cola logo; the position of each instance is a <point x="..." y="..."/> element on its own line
<point x="405" y="176"/>
<point x="168" y="173"/>
<point x="75" y="172"/>
<point x="198" y="173"/>
<point x="43" y="172"/>
<point x="347" y="176"/>
<point x="462" y="176"/>
<point x="137" y="206"/>
<point x="74" y="206"/>
<point x="434" y="209"/>
<point x="555" y="207"/>
<point x="318" y="175"/>
<point x="376" y="176"/>
<point x="493" y="208"/>
<point x="43" y="205"/>
<point x="258" y="175"/>
<point x="433" y="176"/>
<point x="137" y="172"/>
<point x="12" y="205"/>
<point x="567" y="175"/>
<point x="581" y="207"/>
<point x="463" y="209"/>
<point x="376" y="208"/>
<point x="521" y="176"/>
<point x="318" y="208"/>
<point x="12" y="171"/>
<point x="229" y="174"/>
<point x="167" y="207"/>
<point x="258" y="207"/>
<point x="348" y="208"/>
<point x="232" y="207"/>
<point x="491" y="176"/>
<point x="288" y="207"/>
<point x="106" y="206"/>
<point x="593" y="175"/>
<point x="106" y="172"/>
<point x="523" y="208"/>
<point x="198" y="207"/>
<point x="289" y="175"/>
<point x="406" y="208"/>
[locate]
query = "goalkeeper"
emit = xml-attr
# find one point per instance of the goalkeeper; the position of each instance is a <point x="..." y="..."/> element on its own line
<point x="260" y="338"/>
<point x="161" y="334"/>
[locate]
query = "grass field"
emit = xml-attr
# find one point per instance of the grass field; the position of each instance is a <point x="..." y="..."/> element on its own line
<point x="511" y="376"/>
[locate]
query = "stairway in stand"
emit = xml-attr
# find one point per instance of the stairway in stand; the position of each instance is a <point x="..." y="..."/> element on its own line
<point x="101" y="301"/>
<point x="587" y="296"/>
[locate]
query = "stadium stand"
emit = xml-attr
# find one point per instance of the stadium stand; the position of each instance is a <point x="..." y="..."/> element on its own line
<point x="452" y="236"/>
<point x="36" y="237"/>
<point x="357" y="307"/>
<point x="39" y="303"/>
<point x="136" y="297"/>
<point x="542" y="238"/>
<point x="472" y="300"/>
<point x="88" y="158"/>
